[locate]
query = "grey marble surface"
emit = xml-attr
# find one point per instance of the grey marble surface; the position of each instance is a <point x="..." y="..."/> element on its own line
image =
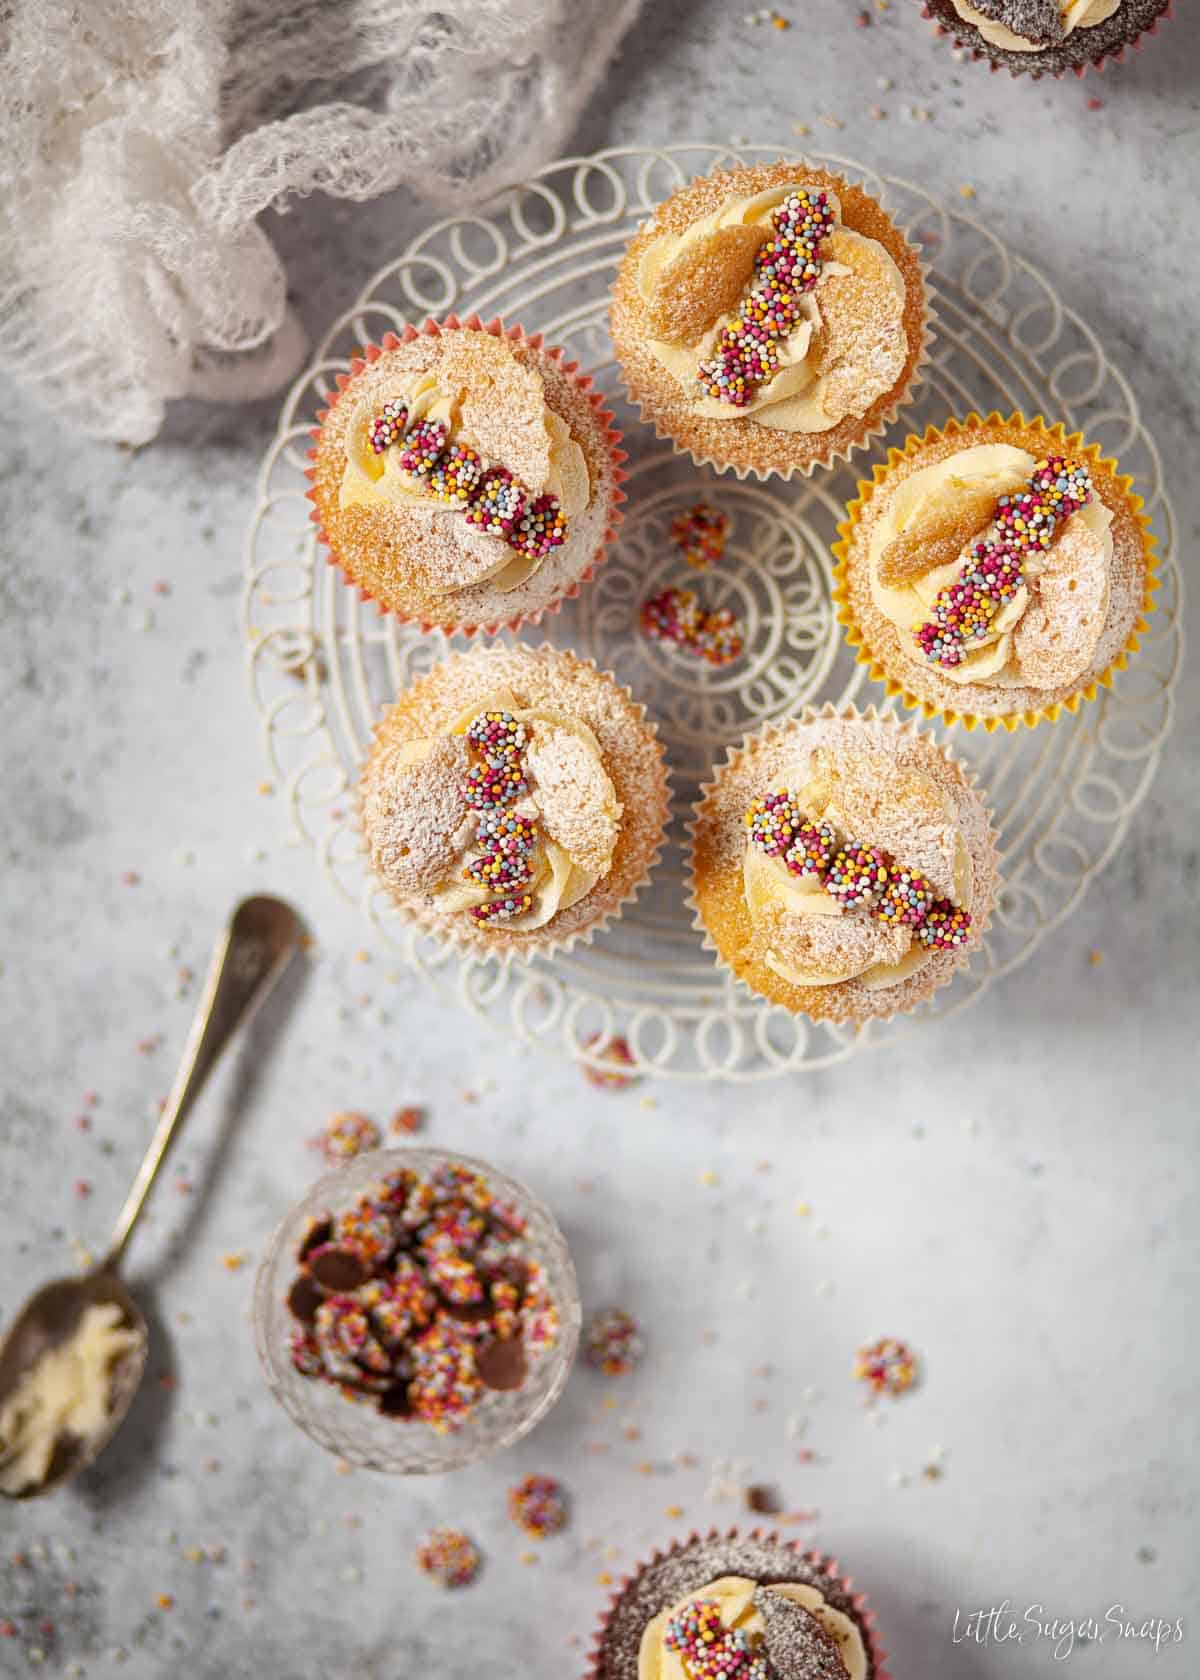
<point x="1013" y="1192"/>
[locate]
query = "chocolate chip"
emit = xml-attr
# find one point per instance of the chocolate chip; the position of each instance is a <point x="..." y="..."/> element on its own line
<point x="339" y="1270"/>
<point x="304" y="1299"/>
<point x="763" y="1499"/>
<point x="502" y="1365"/>
<point x="394" y="1401"/>
<point x="318" y="1233"/>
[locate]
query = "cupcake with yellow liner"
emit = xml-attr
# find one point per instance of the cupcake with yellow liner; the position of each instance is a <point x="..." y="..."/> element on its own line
<point x="770" y="319"/>
<point x="995" y="572"/>
<point x="514" y="800"/>
<point x="465" y="476"/>
<point x="843" y="865"/>
<point x="752" y="1605"/>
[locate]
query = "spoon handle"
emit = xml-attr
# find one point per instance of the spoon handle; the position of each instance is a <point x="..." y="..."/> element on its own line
<point x="253" y="951"/>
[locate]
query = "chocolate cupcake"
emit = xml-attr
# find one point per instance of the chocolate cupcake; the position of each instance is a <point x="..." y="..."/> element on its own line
<point x="739" y="1599"/>
<point x="995" y="572"/>
<point x="1047" y="37"/>
<point x="843" y="865"/>
<point x="514" y="800"/>
<point x="770" y="319"/>
<point x="466" y="476"/>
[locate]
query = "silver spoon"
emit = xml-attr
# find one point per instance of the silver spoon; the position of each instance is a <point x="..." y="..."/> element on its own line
<point x="259" y="939"/>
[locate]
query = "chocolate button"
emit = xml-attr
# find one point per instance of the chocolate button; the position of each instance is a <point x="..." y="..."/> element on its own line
<point x="339" y="1270"/>
<point x="394" y="1401"/>
<point x="304" y="1299"/>
<point x="502" y="1365"/>
<point x="320" y="1233"/>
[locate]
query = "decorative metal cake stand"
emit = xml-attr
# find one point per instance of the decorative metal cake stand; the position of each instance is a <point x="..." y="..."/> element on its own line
<point x="322" y="665"/>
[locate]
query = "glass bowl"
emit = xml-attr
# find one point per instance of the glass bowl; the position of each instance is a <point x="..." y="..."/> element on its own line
<point x="359" y="1433"/>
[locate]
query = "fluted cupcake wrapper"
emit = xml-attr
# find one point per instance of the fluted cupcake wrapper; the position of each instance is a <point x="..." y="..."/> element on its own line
<point x="1033" y="71"/>
<point x="600" y="1668"/>
<point x="460" y="932"/>
<point x="613" y="439"/>
<point x="835" y="1004"/>
<point x="901" y="687"/>
<point x="833" y="456"/>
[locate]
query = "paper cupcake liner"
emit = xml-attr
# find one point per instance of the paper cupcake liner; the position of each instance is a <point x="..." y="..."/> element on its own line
<point x="869" y="434"/>
<point x="1033" y="71"/>
<point x="833" y="1006"/>
<point x="877" y="669"/>
<point x="598" y="1668"/>
<point x="604" y="418"/>
<point x="458" y="931"/>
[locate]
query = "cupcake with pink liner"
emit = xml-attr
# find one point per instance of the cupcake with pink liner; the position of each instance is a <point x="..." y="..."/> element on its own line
<point x="743" y="1600"/>
<point x="1047" y="37"/>
<point x="514" y="800"/>
<point x="465" y="476"/>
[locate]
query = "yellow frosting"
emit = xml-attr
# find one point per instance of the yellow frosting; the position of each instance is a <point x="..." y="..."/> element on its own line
<point x="562" y="876"/>
<point x="997" y="468"/>
<point x="369" y="479"/>
<point x="1076" y="14"/>
<point x="797" y="399"/>
<point x="735" y="1596"/>
<point x="67" y="1392"/>
<point x="768" y="884"/>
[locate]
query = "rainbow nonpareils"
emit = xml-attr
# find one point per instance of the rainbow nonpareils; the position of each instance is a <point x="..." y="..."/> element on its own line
<point x="888" y="1366"/>
<point x="1025" y="524"/>
<point x="675" y="615"/>
<point x="858" y="877"/>
<point x="449" y="1557"/>
<point x="538" y="1506"/>
<point x="787" y="266"/>
<point x="421" y="1297"/>
<point x="452" y="472"/>
<point x="613" y="1342"/>
<point x="708" y="1650"/>
<point x="506" y="844"/>
<point x="701" y="533"/>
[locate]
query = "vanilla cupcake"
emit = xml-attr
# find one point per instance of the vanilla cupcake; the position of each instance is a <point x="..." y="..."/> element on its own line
<point x="514" y="799"/>
<point x="843" y="865"/>
<point x="995" y="572"/>
<point x="1047" y="37"/>
<point x="769" y="319"/>
<point x="465" y="476"/>
<point x="738" y="1604"/>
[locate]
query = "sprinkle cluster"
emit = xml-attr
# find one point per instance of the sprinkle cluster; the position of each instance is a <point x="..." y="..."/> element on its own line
<point x="347" y="1134"/>
<point x="494" y="501"/>
<point x="449" y="1557"/>
<point x="539" y="1506"/>
<point x="859" y="877"/>
<point x="702" y="534"/>
<point x="787" y="266"/>
<point x="1024" y="524"/>
<point x="887" y="1366"/>
<point x="675" y="615"/>
<point x="613" y="1342"/>
<point x="709" y="1650"/>
<point x="505" y="842"/>
<point x="615" y="1054"/>
<point x="420" y="1297"/>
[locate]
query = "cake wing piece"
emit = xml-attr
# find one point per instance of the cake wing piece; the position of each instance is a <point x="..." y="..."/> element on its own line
<point x="797" y="1645"/>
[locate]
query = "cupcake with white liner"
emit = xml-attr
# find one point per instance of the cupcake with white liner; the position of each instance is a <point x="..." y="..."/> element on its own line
<point x="843" y="865"/>
<point x="514" y="800"/>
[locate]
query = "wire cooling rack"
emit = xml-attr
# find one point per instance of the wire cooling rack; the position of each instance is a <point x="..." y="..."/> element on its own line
<point x="322" y="665"/>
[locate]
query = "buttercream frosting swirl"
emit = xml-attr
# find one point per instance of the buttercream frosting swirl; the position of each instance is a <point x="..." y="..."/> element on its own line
<point x="733" y="1598"/>
<point x="846" y="349"/>
<point x="1075" y="14"/>
<point x="1046" y="634"/>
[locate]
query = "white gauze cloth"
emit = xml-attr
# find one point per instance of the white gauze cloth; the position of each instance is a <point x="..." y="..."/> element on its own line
<point x="141" y="139"/>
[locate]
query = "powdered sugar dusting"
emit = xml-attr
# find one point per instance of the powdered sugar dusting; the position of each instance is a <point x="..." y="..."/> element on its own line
<point x="573" y="803"/>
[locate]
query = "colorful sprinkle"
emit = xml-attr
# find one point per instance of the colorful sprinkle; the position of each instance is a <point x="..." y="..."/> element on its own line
<point x="497" y="504"/>
<point x="455" y="478"/>
<point x="615" y="1054"/>
<point x="888" y="1366"/>
<point x="708" y="1650"/>
<point x="388" y="426"/>
<point x="449" y="1557"/>
<point x="347" y="1134"/>
<point x="538" y="1505"/>
<point x="497" y="737"/>
<point x="701" y="533"/>
<point x="787" y="266"/>
<point x="422" y="448"/>
<point x="993" y="572"/>
<point x="676" y="616"/>
<point x="541" y="527"/>
<point x="613" y="1342"/>
<point x="858" y="877"/>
